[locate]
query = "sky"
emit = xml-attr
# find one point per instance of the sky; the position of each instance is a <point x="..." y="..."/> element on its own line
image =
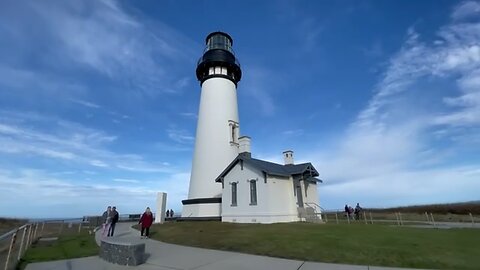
<point x="99" y="99"/>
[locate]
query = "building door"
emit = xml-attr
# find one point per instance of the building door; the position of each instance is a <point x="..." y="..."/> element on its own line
<point x="299" y="196"/>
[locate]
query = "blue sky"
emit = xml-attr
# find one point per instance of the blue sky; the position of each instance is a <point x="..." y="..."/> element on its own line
<point x="99" y="100"/>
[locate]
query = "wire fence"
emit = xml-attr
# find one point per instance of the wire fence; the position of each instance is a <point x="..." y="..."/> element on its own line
<point x="398" y="218"/>
<point x="15" y="243"/>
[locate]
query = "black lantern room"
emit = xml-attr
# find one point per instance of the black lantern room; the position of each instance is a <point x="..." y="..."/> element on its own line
<point x="218" y="60"/>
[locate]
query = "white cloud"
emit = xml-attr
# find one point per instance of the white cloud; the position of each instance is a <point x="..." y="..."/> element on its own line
<point x="180" y="136"/>
<point x="121" y="180"/>
<point x="466" y="9"/>
<point x="388" y="156"/>
<point x="258" y="87"/>
<point x="65" y="197"/>
<point x="85" y="103"/>
<point x="293" y="132"/>
<point x="69" y="142"/>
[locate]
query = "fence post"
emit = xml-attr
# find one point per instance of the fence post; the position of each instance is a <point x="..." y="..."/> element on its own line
<point x="326" y="218"/>
<point x="27" y="244"/>
<point x="371" y="219"/>
<point x="433" y="220"/>
<point x="398" y="221"/>
<point x="426" y="214"/>
<point x="348" y="218"/>
<point x="21" y="243"/>
<point x="12" y="242"/>
<point x="336" y="216"/>
<point x="400" y="216"/>
<point x="365" y="217"/>
<point x="35" y="232"/>
<point x="61" y="228"/>
<point x="79" y="227"/>
<point x="471" y="217"/>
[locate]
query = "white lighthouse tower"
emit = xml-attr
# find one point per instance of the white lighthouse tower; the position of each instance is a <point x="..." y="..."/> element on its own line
<point x="216" y="142"/>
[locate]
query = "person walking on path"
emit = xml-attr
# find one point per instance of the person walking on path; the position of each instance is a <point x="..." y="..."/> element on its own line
<point x="114" y="216"/>
<point x="146" y="220"/>
<point x="168" y="213"/>
<point x="106" y="221"/>
<point x="171" y="213"/>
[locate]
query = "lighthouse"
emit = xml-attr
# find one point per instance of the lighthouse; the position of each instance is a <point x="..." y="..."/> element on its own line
<point x="218" y="129"/>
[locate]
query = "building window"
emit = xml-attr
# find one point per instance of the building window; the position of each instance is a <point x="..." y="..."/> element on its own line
<point x="234" y="194"/>
<point x="253" y="192"/>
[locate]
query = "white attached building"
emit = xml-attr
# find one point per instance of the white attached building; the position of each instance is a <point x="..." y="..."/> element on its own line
<point x="258" y="191"/>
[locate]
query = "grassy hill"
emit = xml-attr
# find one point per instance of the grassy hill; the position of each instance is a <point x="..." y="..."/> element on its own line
<point x="462" y="208"/>
<point x="7" y="224"/>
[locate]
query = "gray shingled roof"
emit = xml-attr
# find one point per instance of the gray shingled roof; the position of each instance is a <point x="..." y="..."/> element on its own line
<point x="270" y="167"/>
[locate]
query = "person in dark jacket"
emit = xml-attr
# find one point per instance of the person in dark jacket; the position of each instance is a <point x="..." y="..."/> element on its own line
<point x="146" y="220"/>
<point x="168" y="213"/>
<point x="114" y="216"/>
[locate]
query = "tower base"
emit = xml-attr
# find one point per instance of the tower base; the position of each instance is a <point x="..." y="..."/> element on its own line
<point x="202" y="208"/>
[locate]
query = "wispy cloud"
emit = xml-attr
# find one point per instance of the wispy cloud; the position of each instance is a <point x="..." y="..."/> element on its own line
<point x="466" y="9"/>
<point x="389" y="151"/>
<point x="122" y="180"/>
<point x="293" y="132"/>
<point x="259" y="89"/>
<point x="69" y="142"/>
<point x="189" y="115"/>
<point x="129" y="51"/>
<point x="65" y="197"/>
<point x="180" y="136"/>
<point x="85" y="103"/>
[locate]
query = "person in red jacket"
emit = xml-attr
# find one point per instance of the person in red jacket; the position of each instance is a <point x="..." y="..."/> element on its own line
<point x="146" y="220"/>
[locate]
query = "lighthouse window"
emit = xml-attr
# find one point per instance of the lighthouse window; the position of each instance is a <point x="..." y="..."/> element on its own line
<point x="210" y="71"/>
<point x="234" y="194"/>
<point x="224" y="71"/>
<point x="218" y="70"/>
<point x="233" y="132"/>
<point x="253" y="192"/>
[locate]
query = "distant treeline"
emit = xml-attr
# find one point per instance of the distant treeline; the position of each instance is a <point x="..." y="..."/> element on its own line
<point x="463" y="208"/>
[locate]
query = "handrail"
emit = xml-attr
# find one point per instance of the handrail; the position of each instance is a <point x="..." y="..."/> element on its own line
<point x="316" y="206"/>
<point x="7" y="234"/>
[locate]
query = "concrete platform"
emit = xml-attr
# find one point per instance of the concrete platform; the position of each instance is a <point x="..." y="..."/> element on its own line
<point x="165" y="256"/>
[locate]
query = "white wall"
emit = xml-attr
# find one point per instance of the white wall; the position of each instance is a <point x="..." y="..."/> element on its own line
<point x="202" y="210"/>
<point x="275" y="199"/>
<point x="213" y="150"/>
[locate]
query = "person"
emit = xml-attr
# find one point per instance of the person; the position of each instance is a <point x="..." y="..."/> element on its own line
<point x="350" y="212"/>
<point x="146" y="220"/>
<point x="171" y="212"/>
<point x="358" y="209"/>
<point x="114" y="220"/>
<point x="106" y="220"/>
<point x="168" y="213"/>
<point x="346" y="209"/>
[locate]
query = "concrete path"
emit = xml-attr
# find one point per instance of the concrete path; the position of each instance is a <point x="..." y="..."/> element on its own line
<point x="165" y="256"/>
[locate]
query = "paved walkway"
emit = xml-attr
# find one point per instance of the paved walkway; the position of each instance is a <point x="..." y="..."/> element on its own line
<point x="165" y="256"/>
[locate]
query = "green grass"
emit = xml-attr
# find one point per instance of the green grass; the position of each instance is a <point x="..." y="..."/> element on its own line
<point x="66" y="247"/>
<point x="379" y="245"/>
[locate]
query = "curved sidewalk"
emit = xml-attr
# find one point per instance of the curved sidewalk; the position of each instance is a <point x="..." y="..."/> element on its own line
<point x="165" y="256"/>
